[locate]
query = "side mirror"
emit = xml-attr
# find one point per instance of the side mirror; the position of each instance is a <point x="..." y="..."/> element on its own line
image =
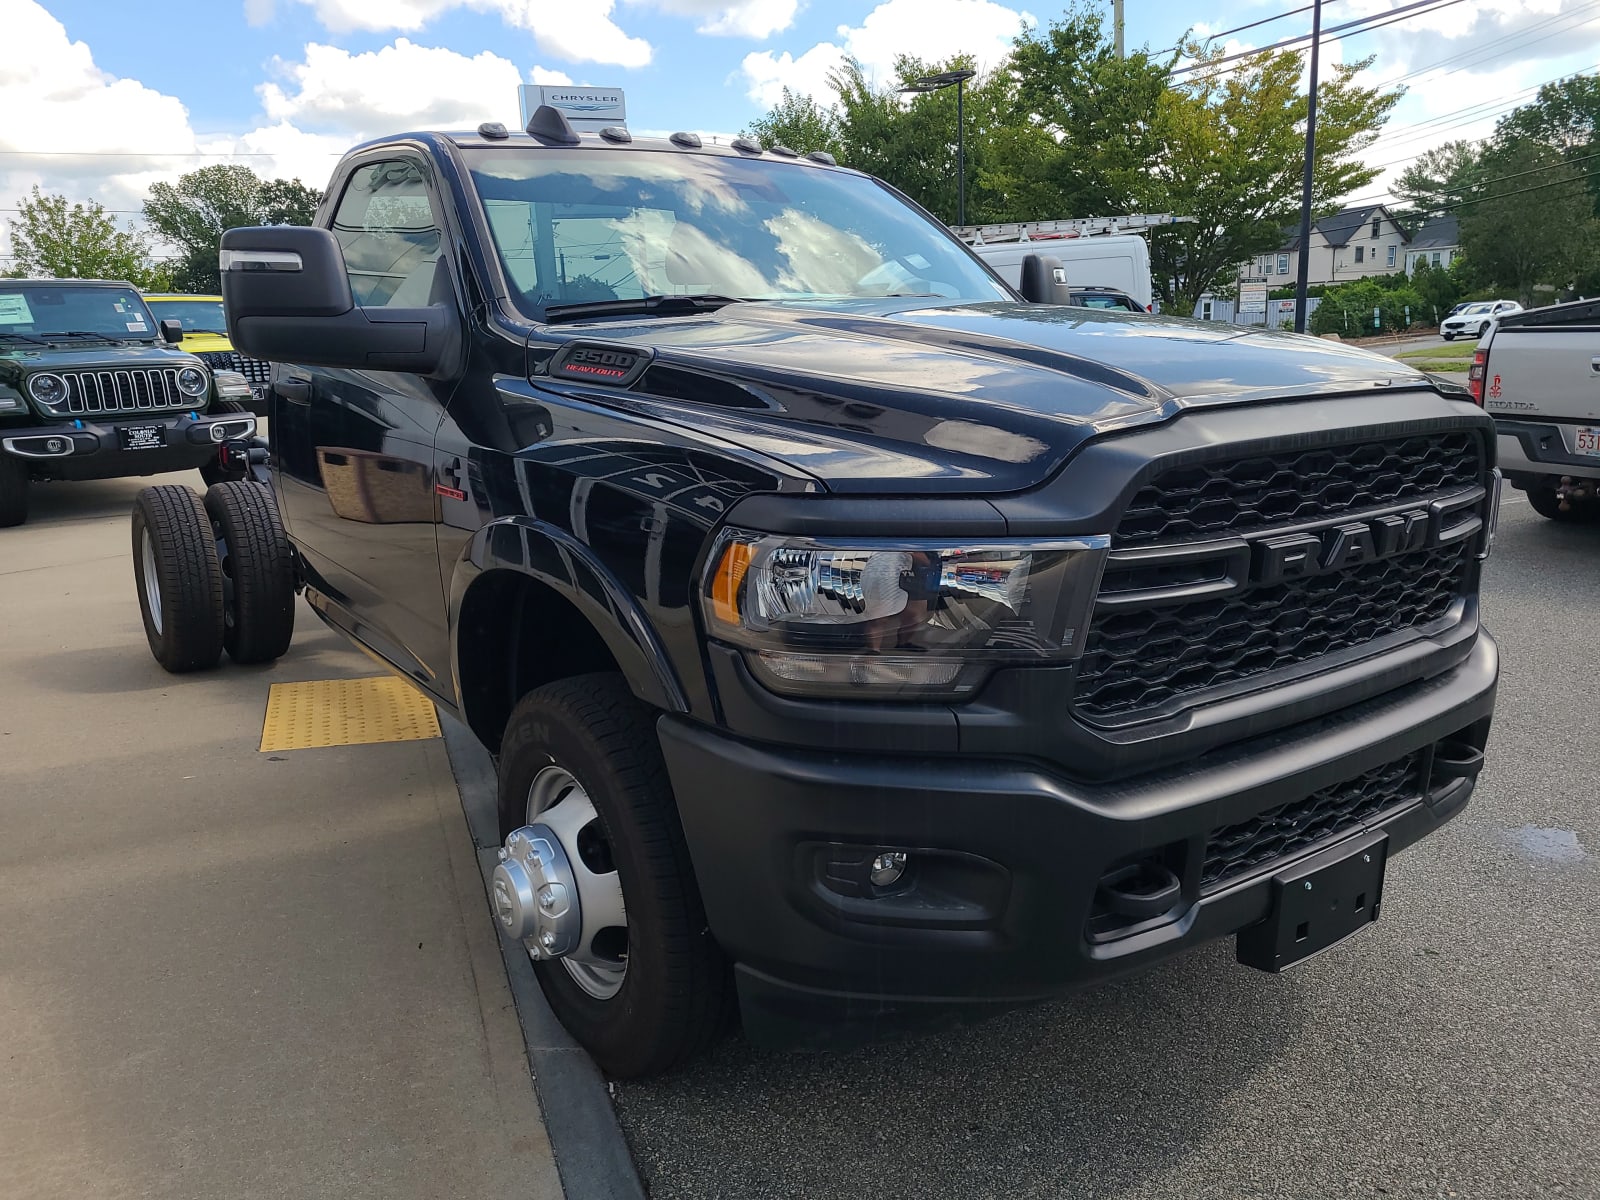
<point x="287" y="298"/>
<point x="1044" y="280"/>
<point x="171" y="330"/>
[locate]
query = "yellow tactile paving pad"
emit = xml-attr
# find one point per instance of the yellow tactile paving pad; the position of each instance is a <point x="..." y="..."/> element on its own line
<point x="345" y="712"/>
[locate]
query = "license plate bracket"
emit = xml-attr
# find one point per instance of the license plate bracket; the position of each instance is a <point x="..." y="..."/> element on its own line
<point x="142" y="437"/>
<point x="1318" y="903"/>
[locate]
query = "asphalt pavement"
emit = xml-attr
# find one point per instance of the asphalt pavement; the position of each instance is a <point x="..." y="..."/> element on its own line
<point x="1452" y="1050"/>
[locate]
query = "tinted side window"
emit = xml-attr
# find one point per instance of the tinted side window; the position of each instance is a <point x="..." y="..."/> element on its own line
<point x="390" y="235"/>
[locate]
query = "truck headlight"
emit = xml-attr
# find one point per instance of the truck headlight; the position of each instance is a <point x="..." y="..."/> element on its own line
<point x="46" y="388"/>
<point x="192" y="381"/>
<point x="897" y="618"/>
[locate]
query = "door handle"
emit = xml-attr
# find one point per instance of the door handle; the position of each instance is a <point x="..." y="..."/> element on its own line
<point x="294" y="391"/>
<point x="1594" y="366"/>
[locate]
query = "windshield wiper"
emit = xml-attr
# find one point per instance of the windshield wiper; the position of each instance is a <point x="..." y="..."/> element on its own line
<point x="655" y="306"/>
<point x="104" y="337"/>
<point x="23" y="337"/>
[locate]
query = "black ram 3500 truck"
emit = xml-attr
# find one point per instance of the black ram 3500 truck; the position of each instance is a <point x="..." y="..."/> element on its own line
<point x="856" y="639"/>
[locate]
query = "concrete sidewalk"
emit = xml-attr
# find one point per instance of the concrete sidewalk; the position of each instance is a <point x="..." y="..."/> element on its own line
<point x="226" y="973"/>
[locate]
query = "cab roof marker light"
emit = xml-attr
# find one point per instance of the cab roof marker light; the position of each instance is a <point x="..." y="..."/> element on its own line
<point x="823" y="157"/>
<point x="689" y="141"/>
<point x="616" y="133"/>
<point x="493" y="130"/>
<point x="784" y="152"/>
<point x="745" y="145"/>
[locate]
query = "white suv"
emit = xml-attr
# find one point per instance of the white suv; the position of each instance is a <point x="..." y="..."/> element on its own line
<point x="1473" y="320"/>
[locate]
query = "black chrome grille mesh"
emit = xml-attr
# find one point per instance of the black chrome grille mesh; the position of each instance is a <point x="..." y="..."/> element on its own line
<point x="1234" y="496"/>
<point x="1145" y="659"/>
<point x="1233" y="851"/>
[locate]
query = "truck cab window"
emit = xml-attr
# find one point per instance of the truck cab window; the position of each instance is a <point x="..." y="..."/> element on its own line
<point x="389" y="234"/>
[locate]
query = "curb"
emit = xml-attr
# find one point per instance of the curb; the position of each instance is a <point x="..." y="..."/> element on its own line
<point x="591" y="1153"/>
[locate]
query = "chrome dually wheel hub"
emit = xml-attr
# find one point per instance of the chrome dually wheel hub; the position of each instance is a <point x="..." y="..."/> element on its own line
<point x="556" y="888"/>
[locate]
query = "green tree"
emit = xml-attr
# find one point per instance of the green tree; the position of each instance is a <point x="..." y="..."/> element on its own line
<point x="193" y="213"/>
<point x="54" y="238"/>
<point x="799" y="123"/>
<point x="288" y="202"/>
<point x="1233" y="145"/>
<point x="1531" y="222"/>
<point x="1348" y="308"/>
<point x="1083" y="125"/>
<point x="1438" y="180"/>
<point x="1440" y="289"/>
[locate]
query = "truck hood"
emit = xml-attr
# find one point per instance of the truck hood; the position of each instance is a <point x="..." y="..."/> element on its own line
<point x="918" y="396"/>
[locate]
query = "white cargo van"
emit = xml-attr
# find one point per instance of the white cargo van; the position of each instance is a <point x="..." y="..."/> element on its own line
<point x="1118" y="260"/>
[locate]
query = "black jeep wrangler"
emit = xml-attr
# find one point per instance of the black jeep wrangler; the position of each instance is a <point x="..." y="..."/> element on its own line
<point x="857" y="639"/>
<point x="92" y="388"/>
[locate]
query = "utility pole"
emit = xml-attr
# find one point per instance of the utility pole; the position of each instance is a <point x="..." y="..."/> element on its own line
<point x="1305" y="191"/>
<point x="1116" y="24"/>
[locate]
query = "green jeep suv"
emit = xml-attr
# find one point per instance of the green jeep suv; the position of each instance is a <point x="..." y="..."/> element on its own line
<point x="92" y="387"/>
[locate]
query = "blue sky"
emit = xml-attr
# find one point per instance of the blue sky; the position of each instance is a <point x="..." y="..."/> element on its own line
<point x="103" y="99"/>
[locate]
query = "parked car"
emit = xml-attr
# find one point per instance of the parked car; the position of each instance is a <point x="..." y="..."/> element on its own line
<point x="1119" y="261"/>
<point x="1535" y="373"/>
<point x="1476" y="319"/>
<point x="205" y="335"/>
<point x="848" y="652"/>
<point x="1104" y="297"/>
<point x="92" y="387"/>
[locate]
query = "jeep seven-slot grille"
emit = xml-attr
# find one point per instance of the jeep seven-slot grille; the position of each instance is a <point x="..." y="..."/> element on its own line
<point x="1279" y="833"/>
<point x="144" y="389"/>
<point x="253" y="369"/>
<point x="1145" y="660"/>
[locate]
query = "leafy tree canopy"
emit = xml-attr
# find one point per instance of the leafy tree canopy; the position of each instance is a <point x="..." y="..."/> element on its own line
<point x="53" y="238"/>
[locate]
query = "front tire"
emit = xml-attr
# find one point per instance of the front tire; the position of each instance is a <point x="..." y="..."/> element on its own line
<point x="1449" y="337"/>
<point x="1483" y="331"/>
<point x="257" y="571"/>
<point x="668" y="993"/>
<point x="178" y="578"/>
<point x="13" y="492"/>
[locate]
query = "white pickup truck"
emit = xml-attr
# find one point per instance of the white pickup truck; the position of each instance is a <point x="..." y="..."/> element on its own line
<point x="1538" y="374"/>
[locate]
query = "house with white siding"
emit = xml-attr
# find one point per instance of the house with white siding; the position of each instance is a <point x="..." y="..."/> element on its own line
<point x="1437" y="243"/>
<point x="1351" y="244"/>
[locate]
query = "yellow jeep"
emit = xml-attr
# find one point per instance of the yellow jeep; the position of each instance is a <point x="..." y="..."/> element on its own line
<point x="205" y="335"/>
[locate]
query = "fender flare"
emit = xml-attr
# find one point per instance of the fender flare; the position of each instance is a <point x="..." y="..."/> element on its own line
<point x="555" y="558"/>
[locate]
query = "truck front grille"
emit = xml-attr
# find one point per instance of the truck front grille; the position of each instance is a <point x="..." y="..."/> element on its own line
<point x="254" y="370"/>
<point x="1233" y="496"/>
<point x="1233" y="851"/>
<point x="143" y="389"/>
<point x="1149" y="657"/>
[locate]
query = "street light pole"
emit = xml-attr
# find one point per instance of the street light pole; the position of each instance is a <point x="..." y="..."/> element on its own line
<point x="1305" y="190"/>
<point x="961" y="155"/>
<point x="935" y="83"/>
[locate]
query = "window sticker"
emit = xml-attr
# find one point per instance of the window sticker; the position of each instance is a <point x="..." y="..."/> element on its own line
<point x="137" y="327"/>
<point x="14" y="309"/>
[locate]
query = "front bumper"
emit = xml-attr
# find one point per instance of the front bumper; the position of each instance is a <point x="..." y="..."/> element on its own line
<point x="82" y="449"/>
<point x="1530" y="453"/>
<point x="1012" y="855"/>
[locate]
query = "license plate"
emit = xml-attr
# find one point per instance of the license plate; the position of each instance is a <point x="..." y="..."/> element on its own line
<point x="142" y="437"/>
<point x="1317" y="904"/>
<point x="1586" y="440"/>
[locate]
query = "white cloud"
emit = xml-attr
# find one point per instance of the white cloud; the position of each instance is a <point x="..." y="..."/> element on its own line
<point x="932" y="30"/>
<point x="401" y="85"/>
<point x="578" y="30"/>
<point x="735" y="18"/>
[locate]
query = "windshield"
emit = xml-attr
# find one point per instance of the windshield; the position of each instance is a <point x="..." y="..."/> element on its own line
<point x="41" y="309"/>
<point x="198" y="316"/>
<point x="1477" y="308"/>
<point x="573" y="226"/>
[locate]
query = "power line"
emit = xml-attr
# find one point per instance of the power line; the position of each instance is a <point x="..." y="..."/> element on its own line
<point x="1211" y="37"/>
<point x="1348" y="29"/>
<point x="1482" y="54"/>
<point x="1484" y="183"/>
